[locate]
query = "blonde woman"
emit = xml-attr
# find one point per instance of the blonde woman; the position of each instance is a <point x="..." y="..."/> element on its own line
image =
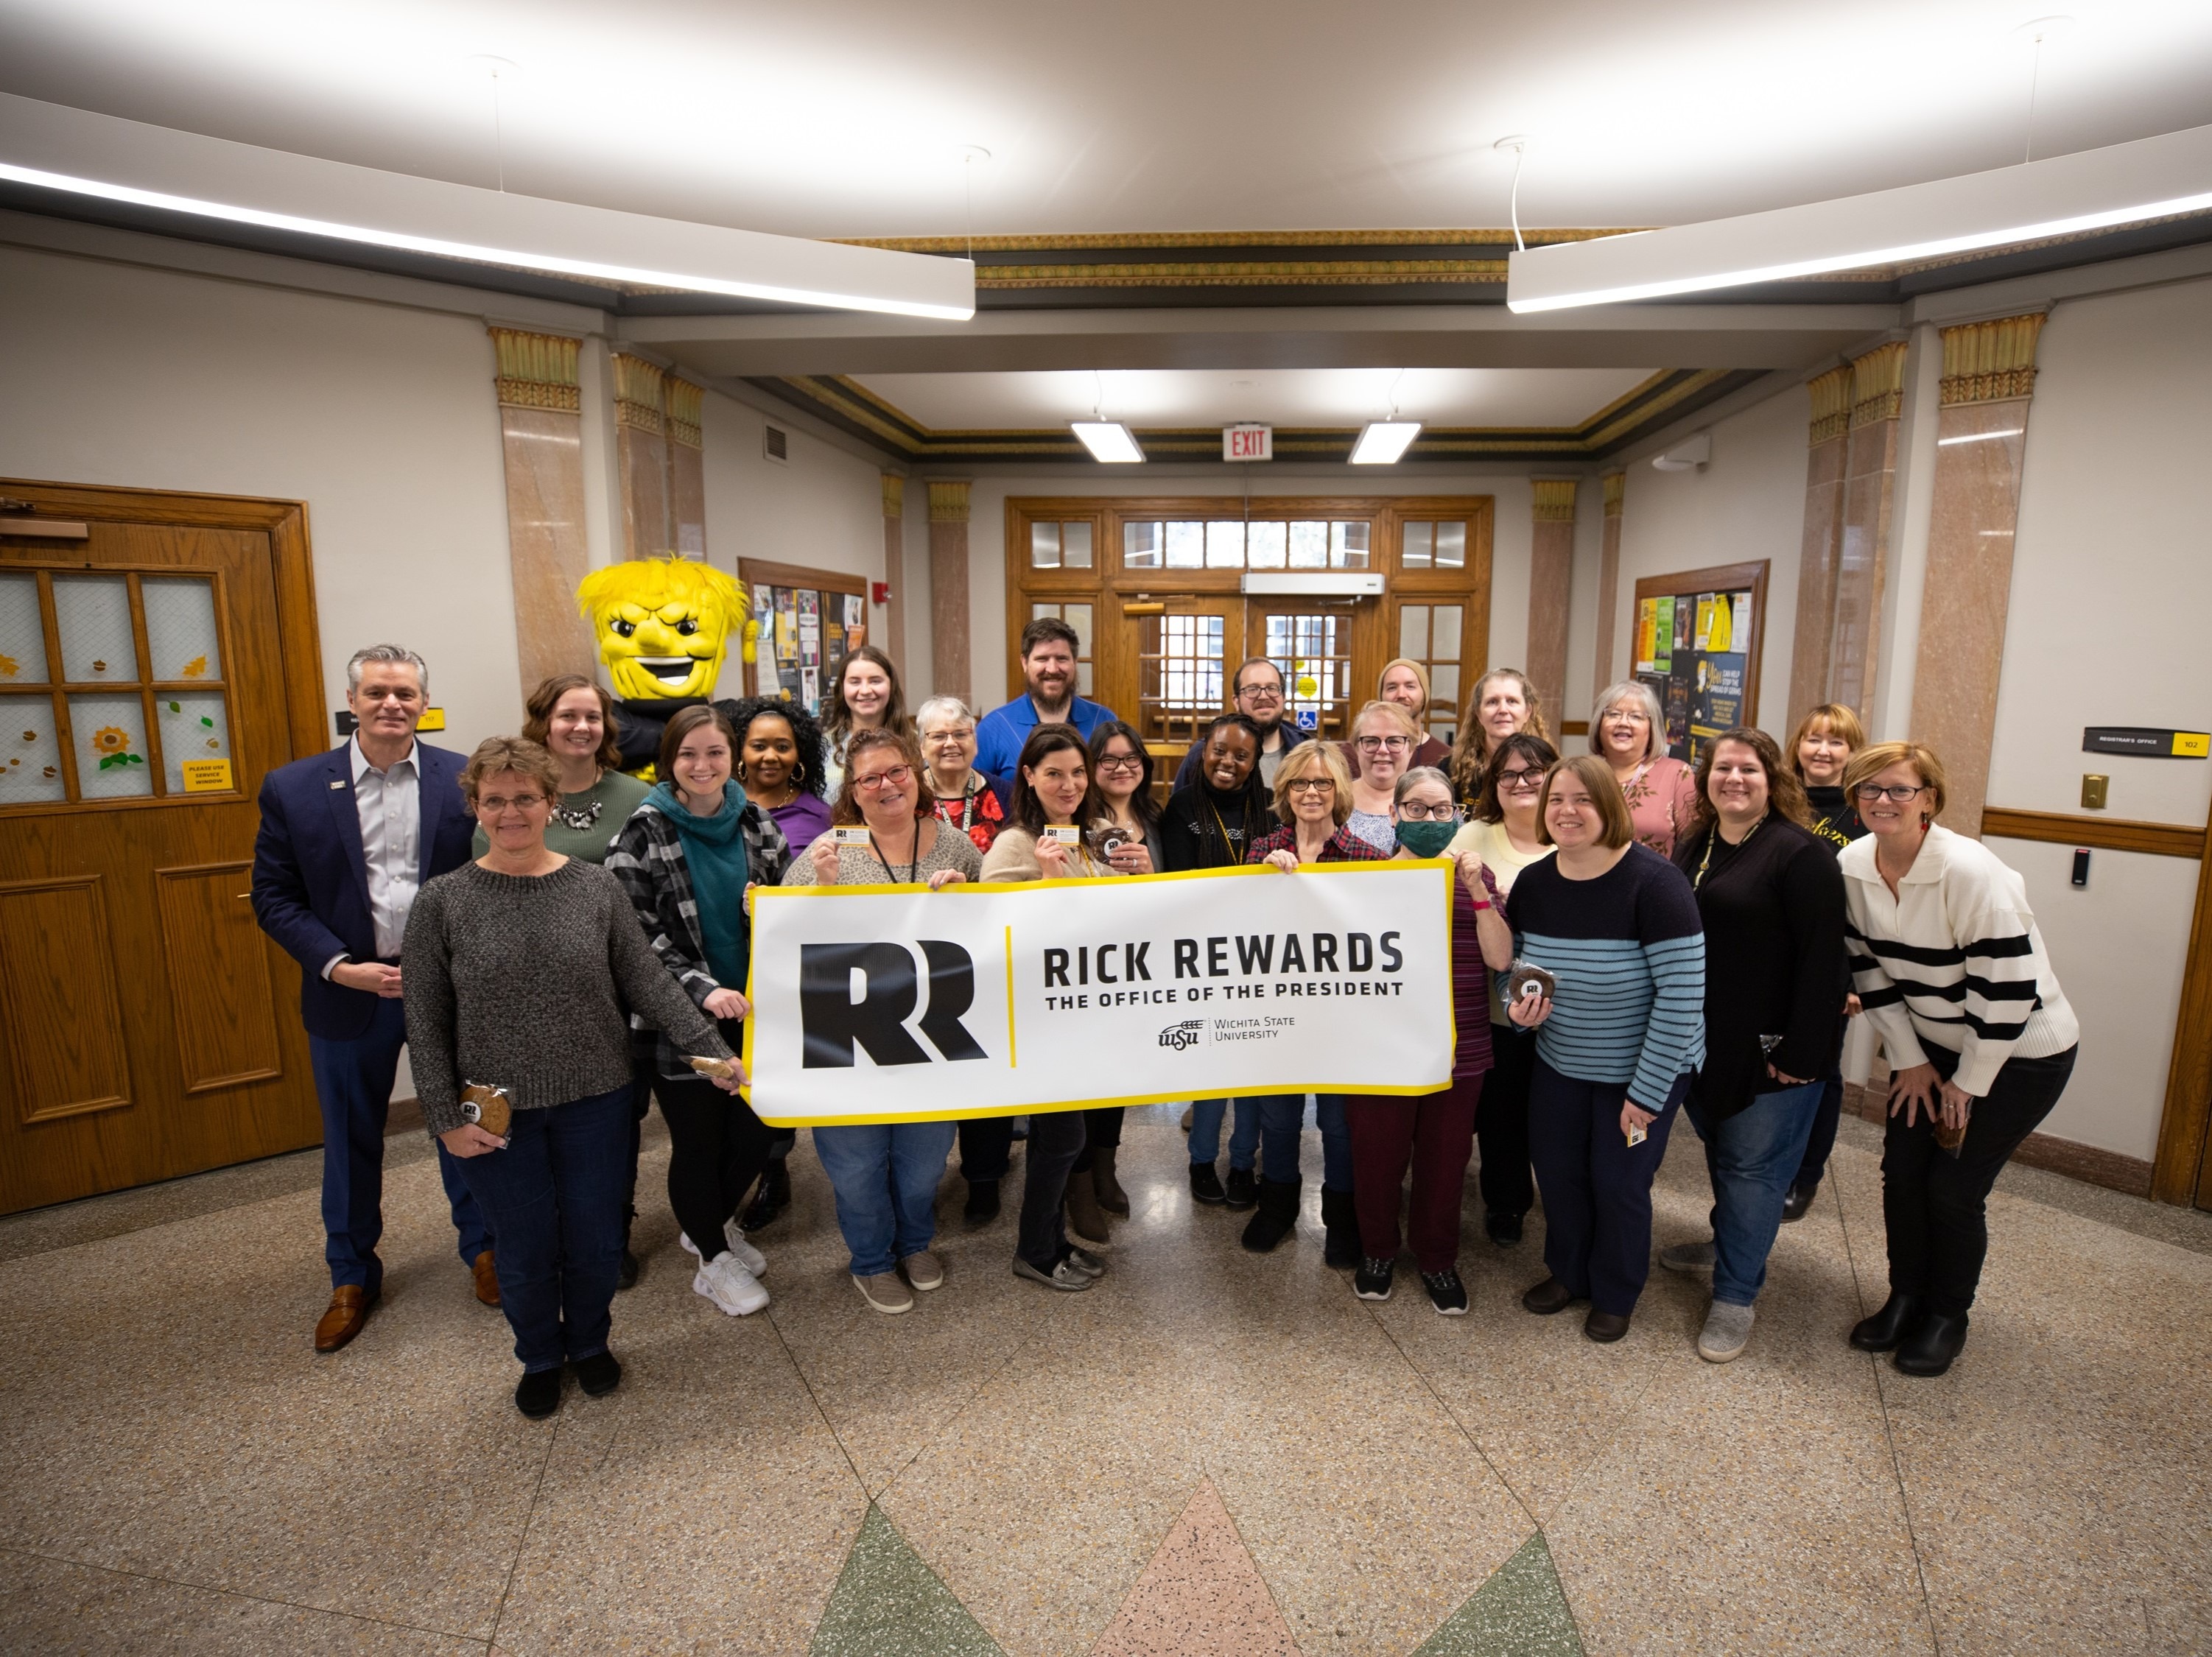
<point x="1383" y="737"/>
<point x="1406" y="681"/>
<point x="1502" y="703"/>
<point x="1628" y="731"/>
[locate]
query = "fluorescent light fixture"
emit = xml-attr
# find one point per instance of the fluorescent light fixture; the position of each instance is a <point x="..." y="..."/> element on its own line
<point x="2065" y="195"/>
<point x="1385" y="442"/>
<point x="57" y="148"/>
<point x="1109" y="441"/>
<point x="1978" y="437"/>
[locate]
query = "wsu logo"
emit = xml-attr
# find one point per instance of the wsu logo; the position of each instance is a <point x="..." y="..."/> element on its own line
<point x="1185" y="1034"/>
<point x="862" y="995"/>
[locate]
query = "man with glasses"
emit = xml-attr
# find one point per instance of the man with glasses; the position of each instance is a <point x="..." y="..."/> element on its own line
<point x="346" y="839"/>
<point x="1257" y="694"/>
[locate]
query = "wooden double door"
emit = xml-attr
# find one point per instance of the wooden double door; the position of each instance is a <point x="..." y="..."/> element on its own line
<point x="158" y="657"/>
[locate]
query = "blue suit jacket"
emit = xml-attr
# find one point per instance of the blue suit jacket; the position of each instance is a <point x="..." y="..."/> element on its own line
<point x="311" y="880"/>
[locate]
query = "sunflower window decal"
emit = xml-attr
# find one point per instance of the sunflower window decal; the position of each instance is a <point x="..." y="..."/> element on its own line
<point x="112" y="744"/>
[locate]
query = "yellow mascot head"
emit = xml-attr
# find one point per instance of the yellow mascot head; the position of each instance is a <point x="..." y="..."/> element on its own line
<point x="663" y="624"/>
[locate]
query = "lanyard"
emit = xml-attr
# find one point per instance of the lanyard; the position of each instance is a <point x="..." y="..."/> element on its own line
<point x="912" y="863"/>
<point x="1243" y="827"/>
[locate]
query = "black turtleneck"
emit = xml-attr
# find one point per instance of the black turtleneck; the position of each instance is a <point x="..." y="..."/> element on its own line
<point x="1835" y="819"/>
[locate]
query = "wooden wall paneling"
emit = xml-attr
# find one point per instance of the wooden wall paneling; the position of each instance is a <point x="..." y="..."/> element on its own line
<point x="2171" y="840"/>
<point x="220" y="992"/>
<point x="56" y="953"/>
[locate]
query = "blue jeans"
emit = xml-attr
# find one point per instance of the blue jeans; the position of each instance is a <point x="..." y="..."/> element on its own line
<point x="1822" y="1140"/>
<point x="558" y="1197"/>
<point x="1206" y="1116"/>
<point x="886" y="1176"/>
<point x="1282" y="1120"/>
<point x="1752" y="1157"/>
<point x="353" y="1086"/>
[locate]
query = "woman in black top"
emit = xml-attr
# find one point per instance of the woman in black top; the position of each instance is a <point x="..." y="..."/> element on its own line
<point x="1820" y="748"/>
<point x="1771" y="900"/>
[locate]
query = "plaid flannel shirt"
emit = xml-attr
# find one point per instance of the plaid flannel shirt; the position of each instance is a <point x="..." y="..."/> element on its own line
<point x="647" y="858"/>
<point x="1344" y="846"/>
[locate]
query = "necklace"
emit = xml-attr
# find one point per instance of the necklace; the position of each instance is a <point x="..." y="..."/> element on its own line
<point x="1244" y="825"/>
<point x="1707" y="861"/>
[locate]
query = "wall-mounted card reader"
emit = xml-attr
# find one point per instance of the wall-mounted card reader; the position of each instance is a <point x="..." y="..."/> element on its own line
<point x="2081" y="866"/>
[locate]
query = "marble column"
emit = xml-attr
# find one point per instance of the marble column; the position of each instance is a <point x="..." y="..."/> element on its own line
<point x="1821" y="552"/>
<point x="894" y="642"/>
<point x="1862" y="545"/>
<point x="681" y="403"/>
<point x="950" y="668"/>
<point x="1981" y="436"/>
<point x="1551" y="585"/>
<point x="542" y="436"/>
<point x="1608" y="588"/>
<point x="642" y="457"/>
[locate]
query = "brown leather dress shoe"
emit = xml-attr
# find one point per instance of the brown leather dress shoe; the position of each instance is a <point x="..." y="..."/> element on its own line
<point x="1547" y="1297"/>
<point x="347" y="1314"/>
<point x="1605" y="1327"/>
<point x="487" y="1276"/>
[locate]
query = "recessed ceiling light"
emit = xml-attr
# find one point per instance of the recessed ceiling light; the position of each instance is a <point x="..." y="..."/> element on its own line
<point x="1384" y="442"/>
<point x="1109" y="441"/>
<point x="85" y="153"/>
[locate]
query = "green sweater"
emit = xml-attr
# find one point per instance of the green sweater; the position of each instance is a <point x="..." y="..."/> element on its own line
<point x="584" y="825"/>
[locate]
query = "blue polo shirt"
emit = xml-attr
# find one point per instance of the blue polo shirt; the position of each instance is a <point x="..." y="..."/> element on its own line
<point x="1000" y="733"/>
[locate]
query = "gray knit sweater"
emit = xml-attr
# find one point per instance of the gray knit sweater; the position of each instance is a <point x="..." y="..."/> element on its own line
<point x="524" y="982"/>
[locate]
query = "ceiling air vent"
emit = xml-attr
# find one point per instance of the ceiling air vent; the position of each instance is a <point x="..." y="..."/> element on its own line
<point x="776" y="445"/>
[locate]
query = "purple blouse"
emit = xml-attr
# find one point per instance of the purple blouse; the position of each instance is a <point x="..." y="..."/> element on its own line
<point x="802" y="820"/>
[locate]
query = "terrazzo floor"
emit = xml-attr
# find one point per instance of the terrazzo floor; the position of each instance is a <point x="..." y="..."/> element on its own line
<point x="1210" y="1453"/>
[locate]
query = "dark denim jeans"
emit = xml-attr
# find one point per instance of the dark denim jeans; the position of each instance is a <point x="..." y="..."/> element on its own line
<point x="885" y="1177"/>
<point x="555" y="1197"/>
<point x="1206" y="1116"/>
<point x="1597" y="1188"/>
<point x="1752" y="1157"/>
<point x="1282" y="1121"/>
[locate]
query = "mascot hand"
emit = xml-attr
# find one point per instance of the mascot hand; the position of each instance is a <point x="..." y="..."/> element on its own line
<point x="751" y="649"/>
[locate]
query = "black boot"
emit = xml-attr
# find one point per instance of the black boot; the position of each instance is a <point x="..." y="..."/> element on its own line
<point x="1935" y="1339"/>
<point x="1206" y="1185"/>
<point x="982" y="1205"/>
<point x="1798" y="1202"/>
<point x="770" y="1199"/>
<point x="1339" y="1216"/>
<point x="1885" y="1327"/>
<point x="1243" y="1190"/>
<point x="1277" y="1216"/>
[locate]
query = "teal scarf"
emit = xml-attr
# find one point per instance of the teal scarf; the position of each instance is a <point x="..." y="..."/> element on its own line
<point x="714" y="853"/>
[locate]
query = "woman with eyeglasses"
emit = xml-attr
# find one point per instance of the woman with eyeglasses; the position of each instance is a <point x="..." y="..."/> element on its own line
<point x="1313" y="796"/>
<point x="519" y="967"/>
<point x="1431" y="1135"/>
<point x="1055" y="798"/>
<point x="1772" y="905"/>
<point x="1505" y="836"/>
<point x="1502" y="703"/>
<point x="1383" y="737"/>
<point x="863" y="696"/>
<point x="1213" y="824"/>
<point x="1406" y="681"/>
<point x="1950" y="966"/>
<point x="687" y="858"/>
<point x="885" y="1174"/>
<point x="1629" y="731"/>
<point x="1616" y="926"/>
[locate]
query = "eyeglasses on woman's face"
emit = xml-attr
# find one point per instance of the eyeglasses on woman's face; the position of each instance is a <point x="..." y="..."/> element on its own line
<point x="1383" y="744"/>
<point x="1122" y="762"/>
<point x="1520" y="778"/>
<point x="1627" y="716"/>
<point x="1413" y="810"/>
<point x="894" y="777"/>
<point x="954" y="736"/>
<point x="1309" y="785"/>
<point x="1871" y="792"/>
<point x="493" y="805"/>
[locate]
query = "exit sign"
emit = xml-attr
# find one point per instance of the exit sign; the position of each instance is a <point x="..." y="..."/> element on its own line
<point x="1248" y="442"/>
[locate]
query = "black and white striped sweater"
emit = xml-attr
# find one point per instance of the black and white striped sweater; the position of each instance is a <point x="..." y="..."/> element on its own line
<point x="1954" y="959"/>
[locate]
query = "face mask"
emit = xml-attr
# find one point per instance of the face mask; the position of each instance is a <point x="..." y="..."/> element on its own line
<point x="1426" y="840"/>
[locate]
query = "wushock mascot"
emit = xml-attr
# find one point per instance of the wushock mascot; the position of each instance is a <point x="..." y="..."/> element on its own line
<point x="663" y="626"/>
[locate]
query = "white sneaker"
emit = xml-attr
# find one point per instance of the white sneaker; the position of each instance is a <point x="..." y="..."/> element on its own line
<point x="730" y="1286"/>
<point x="749" y="1257"/>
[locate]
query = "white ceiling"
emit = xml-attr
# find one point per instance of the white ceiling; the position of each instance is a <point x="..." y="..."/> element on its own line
<point x="1519" y="398"/>
<point x="1140" y="115"/>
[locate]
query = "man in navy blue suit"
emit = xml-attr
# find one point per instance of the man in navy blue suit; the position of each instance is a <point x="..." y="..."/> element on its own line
<point x="346" y="839"/>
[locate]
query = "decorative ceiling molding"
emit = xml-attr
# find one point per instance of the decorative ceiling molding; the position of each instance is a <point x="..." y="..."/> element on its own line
<point x="1667" y="395"/>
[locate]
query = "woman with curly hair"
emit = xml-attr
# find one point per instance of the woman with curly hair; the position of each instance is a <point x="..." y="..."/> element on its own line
<point x="780" y="765"/>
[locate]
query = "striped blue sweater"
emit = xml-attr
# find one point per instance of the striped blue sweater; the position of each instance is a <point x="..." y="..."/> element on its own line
<point x="1629" y="952"/>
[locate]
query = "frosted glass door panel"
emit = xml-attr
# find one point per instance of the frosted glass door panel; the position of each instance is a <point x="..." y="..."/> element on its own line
<point x="110" y="731"/>
<point x="92" y="615"/>
<point x="180" y="630"/>
<point x="194" y="727"/>
<point x="31" y="769"/>
<point x="22" y="636"/>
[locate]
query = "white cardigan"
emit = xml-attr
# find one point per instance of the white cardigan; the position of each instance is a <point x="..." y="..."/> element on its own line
<point x="1955" y="959"/>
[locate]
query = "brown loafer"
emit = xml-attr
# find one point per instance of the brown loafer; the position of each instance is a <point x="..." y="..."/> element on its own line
<point x="348" y="1313"/>
<point x="486" y="1271"/>
<point x="1605" y="1327"/>
<point x="1548" y="1296"/>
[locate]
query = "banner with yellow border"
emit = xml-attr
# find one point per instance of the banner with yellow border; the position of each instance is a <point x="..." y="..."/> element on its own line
<point x="895" y="1004"/>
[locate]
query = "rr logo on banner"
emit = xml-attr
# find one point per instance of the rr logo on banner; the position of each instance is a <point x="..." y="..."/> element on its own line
<point x="834" y="1019"/>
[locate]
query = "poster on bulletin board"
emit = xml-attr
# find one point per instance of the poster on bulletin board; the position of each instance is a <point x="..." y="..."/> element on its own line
<point x="1697" y="640"/>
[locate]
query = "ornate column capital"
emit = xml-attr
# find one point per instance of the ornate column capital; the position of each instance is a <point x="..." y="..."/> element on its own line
<point x="1613" y="484"/>
<point x="948" y="502"/>
<point x="684" y="403"/>
<point x="1831" y="405"/>
<point x="1878" y="385"/>
<point x="1554" y="500"/>
<point x="638" y="394"/>
<point x="894" y="496"/>
<point x="1990" y="361"/>
<point x="536" y="371"/>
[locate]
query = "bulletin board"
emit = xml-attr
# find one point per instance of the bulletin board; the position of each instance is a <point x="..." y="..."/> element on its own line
<point x="810" y="621"/>
<point x="1696" y="639"/>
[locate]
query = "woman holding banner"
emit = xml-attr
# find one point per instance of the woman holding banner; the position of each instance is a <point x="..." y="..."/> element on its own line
<point x="1054" y="798"/>
<point x="1313" y="796"/>
<point x="885" y="1174"/>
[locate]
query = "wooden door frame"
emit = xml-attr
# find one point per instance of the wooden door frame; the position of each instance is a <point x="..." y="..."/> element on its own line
<point x="753" y="572"/>
<point x="284" y="522"/>
<point x="2181" y="1171"/>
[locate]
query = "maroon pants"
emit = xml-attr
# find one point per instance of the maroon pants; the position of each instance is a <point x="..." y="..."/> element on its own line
<point x="1434" y="1131"/>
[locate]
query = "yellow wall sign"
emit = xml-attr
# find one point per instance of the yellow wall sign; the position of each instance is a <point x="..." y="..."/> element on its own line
<point x="206" y="776"/>
<point x="433" y="719"/>
<point x="2192" y="744"/>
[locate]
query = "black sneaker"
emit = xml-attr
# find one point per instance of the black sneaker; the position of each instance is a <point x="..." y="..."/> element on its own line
<point x="537" y="1395"/>
<point x="1446" y="1293"/>
<point x="598" y="1374"/>
<point x="770" y="1199"/>
<point x="1206" y="1185"/>
<point x="982" y="1205"/>
<point x="1372" y="1281"/>
<point x="1501" y="1228"/>
<point x="1243" y="1191"/>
